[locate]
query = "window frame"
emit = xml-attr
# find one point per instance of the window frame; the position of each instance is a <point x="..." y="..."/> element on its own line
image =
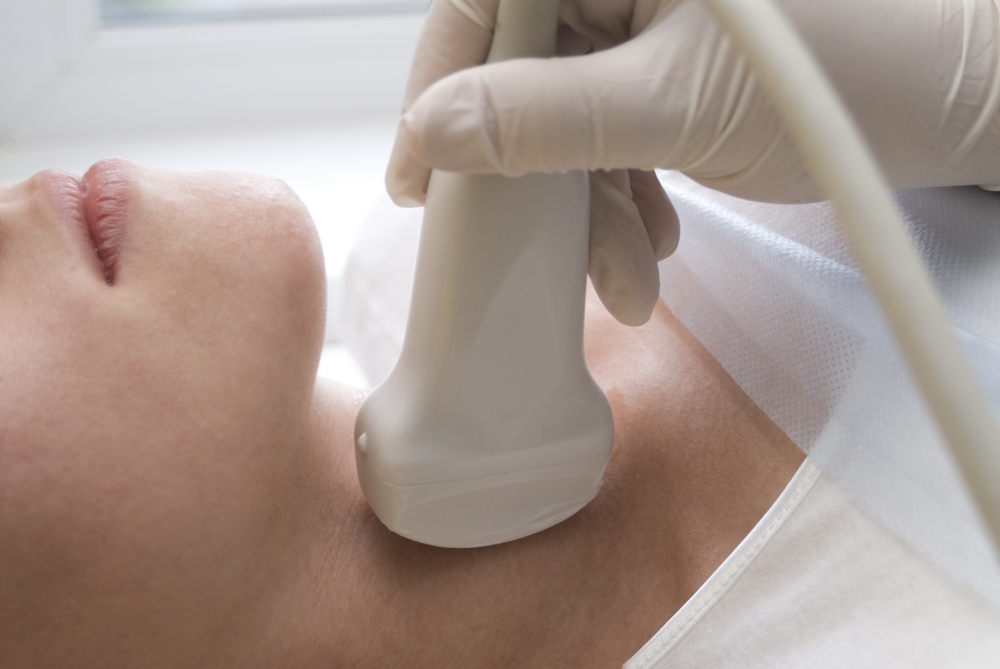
<point x="229" y="10"/>
<point x="62" y="73"/>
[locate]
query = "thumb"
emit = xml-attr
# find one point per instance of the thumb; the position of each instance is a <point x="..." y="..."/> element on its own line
<point x="599" y="111"/>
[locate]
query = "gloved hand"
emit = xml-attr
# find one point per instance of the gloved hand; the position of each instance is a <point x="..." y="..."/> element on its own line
<point x="655" y="83"/>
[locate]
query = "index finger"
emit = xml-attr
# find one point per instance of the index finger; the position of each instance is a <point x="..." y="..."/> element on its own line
<point x="456" y="35"/>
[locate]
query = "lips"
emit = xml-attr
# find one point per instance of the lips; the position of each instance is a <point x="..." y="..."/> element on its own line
<point x="95" y="208"/>
<point x="108" y="186"/>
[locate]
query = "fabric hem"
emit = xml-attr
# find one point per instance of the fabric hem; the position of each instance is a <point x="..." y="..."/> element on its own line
<point x="729" y="571"/>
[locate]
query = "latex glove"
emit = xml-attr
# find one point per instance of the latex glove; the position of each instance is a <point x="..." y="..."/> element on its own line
<point x="664" y="87"/>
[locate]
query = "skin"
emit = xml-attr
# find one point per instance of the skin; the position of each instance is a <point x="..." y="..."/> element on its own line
<point x="177" y="488"/>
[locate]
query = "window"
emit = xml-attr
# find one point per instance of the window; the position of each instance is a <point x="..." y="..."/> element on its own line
<point x="76" y="66"/>
<point x="133" y="12"/>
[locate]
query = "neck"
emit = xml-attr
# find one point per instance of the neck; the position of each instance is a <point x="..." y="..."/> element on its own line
<point x="695" y="465"/>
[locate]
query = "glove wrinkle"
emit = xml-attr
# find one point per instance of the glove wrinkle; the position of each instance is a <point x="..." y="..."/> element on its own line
<point x="797" y="185"/>
<point x="741" y="92"/>
<point x="956" y="81"/>
<point x="990" y="98"/>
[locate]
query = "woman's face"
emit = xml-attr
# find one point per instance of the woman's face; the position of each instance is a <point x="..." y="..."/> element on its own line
<point x="159" y="335"/>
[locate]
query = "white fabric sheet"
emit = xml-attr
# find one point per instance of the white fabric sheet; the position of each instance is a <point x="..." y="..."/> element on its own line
<point x="819" y="584"/>
<point x="773" y="292"/>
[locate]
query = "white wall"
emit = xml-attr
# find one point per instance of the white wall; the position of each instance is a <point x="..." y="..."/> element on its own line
<point x="62" y="74"/>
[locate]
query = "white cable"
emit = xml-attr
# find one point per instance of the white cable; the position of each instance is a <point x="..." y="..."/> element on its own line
<point x="844" y="168"/>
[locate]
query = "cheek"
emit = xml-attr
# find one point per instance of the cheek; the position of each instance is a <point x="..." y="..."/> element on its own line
<point x="245" y="268"/>
<point x="148" y="437"/>
<point x="138" y="433"/>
